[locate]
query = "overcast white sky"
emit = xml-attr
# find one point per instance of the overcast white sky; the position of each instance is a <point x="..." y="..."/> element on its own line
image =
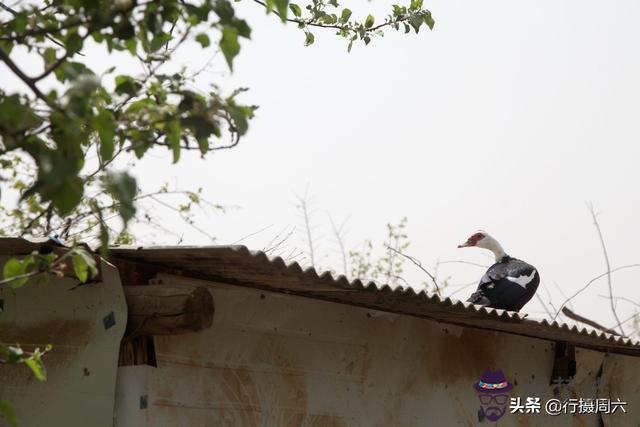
<point x="509" y="116"/>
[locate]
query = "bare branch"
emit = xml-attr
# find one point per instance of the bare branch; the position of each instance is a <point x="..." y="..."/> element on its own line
<point x="252" y="234"/>
<point x="304" y="209"/>
<point x="337" y="233"/>
<point x="606" y="259"/>
<point x="590" y="282"/>
<point x="26" y="79"/>
<point x="544" y="305"/>
<point x="621" y="299"/>
<point x="455" y="261"/>
<point x="463" y="287"/>
<point x="571" y="315"/>
<point x="418" y="263"/>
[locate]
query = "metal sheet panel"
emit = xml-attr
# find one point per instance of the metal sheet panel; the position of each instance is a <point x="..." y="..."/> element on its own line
<point x="238" y="266"/>
<point x="81" y="367"/>
<point x="272" y="359"/>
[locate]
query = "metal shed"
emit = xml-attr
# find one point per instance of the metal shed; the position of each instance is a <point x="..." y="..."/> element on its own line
<point x="290" y="347"/>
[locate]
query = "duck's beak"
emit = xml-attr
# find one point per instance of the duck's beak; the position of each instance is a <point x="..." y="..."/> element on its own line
<point x="466" y="244"/>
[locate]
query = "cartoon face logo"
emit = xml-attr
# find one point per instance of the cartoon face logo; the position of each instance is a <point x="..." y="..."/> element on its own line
<point x="493" y="393"/>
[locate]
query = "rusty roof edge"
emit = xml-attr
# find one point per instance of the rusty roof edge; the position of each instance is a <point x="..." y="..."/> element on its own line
<point x="357" y="284"/>
<point x="19" y="246"/>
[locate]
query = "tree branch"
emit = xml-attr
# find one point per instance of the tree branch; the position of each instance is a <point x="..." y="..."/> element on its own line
<point x="606" y="259"/>
<point x="26" y="79"/>
<point x="418" y="263"/>
<point x="313" y="23"/>
<point x="571" y="315"/>
<point x="613" y="270"/>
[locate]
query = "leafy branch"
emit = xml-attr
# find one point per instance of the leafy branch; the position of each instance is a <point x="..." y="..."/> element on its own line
<point x="327" y="14"/>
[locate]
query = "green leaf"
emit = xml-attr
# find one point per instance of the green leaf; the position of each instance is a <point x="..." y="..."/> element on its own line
<point x="49" y="56"/>
<point x="428" y="19"/>
<point x="37" y="367"/>
<point x="345" y="15"/>
<point x="173" y="138"/>
<point x="368" y="23"/>
<point x="13" y="354"/>
<point x="132" y="46"/>
<point x="158" y="41"/>
<point x="71" y="71"/>
<point x="68" y="195"/>
<point x="127" y="85"/>
<point x="8" y="414"/>
<point x="295" y="9"/>
<point x="229" y="44"/>
<point x="84" y="265"/>
<point x="203" y="145"/>
<point x="80" y="268"/>
<point x="203" y="39"/>
<point x="104" y="124"/>
<point x="74" y="43"/>
<point x="12" y="268"/>
<point x="16" y="116"/>
<point x="416" y="21"/>
<point x="309" y="38"/>
<point x="270" y="4"/>
<point x="123" y="187"/>
<point x="282" y="7"/>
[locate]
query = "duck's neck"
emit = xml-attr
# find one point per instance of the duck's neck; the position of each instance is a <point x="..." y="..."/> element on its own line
<point x="495" y="247"/>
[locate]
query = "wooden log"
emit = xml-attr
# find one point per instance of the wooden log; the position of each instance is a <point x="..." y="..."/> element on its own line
<point x="167" y="309"/>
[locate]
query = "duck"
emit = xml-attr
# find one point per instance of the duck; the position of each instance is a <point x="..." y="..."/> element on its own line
<point x="509" y="283"/>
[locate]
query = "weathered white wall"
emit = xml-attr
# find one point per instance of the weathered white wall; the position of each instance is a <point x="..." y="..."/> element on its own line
<point x="81" y="367"/>
<point x="279" y="360"/>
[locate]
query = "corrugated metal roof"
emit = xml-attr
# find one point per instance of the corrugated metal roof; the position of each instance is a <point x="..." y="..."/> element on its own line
<point x="237" y="265"/>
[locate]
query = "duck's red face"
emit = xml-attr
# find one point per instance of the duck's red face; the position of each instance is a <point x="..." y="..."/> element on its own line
<point x="473" y="240"/>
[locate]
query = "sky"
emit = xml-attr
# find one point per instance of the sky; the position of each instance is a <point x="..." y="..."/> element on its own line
<point x="509" y="117"/>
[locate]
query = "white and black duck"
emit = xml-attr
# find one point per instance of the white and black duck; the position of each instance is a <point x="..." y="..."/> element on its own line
<point x="509" y="283"/>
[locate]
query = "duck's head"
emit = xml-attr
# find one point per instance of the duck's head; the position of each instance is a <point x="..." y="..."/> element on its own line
<point x="476" y="239"/>
<point x="482" y="239"/>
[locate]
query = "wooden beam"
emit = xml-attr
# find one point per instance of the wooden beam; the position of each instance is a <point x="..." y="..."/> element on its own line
<point x="167" y="309"/>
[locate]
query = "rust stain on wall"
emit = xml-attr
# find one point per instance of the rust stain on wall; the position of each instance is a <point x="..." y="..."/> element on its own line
<point x="56" y="330"/>
<point x="463" y="357"/>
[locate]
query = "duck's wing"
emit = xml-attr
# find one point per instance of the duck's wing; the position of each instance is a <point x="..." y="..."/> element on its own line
<point x="507" y="285"/>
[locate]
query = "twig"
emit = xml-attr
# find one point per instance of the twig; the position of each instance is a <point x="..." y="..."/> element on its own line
<point x="251" y="234"/>
<point x="26" y="79"/>
<point x="630" y="318"/>
<point x="418" y="263"/>
<point x="455" y="261"/>
<point x="50" y="38"/>
<point x="613" y="270"/>
<point x="463" y="287"/>
<point x="305" y="215"/>
<point x="622" y="299"/>
<point x="337" y="232"/>
<point x="39" y="271"/>
<point x="544" y="305"/>
<point x="606" y="259"/>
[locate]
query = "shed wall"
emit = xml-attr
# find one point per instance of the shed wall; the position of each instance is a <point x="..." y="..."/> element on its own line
<point x="82" y="365"/>
<point x="273" y="359"/>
